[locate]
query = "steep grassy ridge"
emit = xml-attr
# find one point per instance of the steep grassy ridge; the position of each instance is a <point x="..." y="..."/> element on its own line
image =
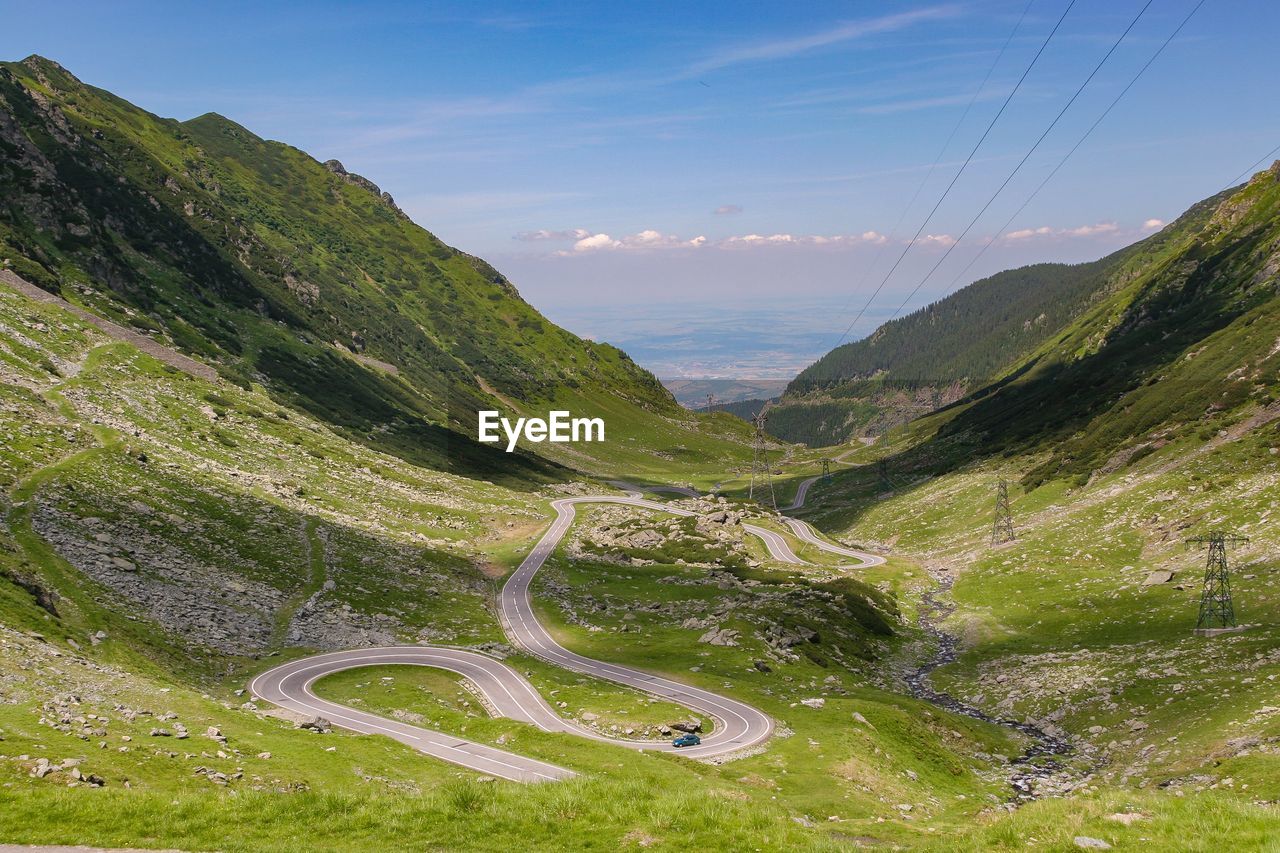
<point x="1062" y="629"/>
<point x="1152" y="418"/>
<point x="934" y="356"/>
<point x="275" y="267"/>
<point x="1188" y="342"/>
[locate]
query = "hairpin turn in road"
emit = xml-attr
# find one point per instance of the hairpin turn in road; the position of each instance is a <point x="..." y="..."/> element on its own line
<point x="738" y="726"/>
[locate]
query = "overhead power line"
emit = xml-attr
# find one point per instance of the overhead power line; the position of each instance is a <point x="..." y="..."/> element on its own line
<point x="875" y="262"/>
<point x="1141" y="71"/>
<point x="957" y="175"/>
<point x="1249" y="171"/>
<point x="1025" y="157"/>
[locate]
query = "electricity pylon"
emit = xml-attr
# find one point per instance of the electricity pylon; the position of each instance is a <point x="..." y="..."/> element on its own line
<point x="826" y="469"/>
<point x="711" y="403"/>
<point x="1216" y="607"/>
<point x="1002" y="527"/>
<point x="760" y="471"/>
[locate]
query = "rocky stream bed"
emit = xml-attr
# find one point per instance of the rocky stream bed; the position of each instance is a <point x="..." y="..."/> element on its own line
<point x="1042" y="769"/>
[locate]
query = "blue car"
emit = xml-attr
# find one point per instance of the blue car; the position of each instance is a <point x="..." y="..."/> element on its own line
<point x="686" y="740"/>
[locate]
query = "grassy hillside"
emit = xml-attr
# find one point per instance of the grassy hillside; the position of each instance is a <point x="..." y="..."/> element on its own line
<point x="934" y="356"/>
<point x="169" y="532"/>
<point x="1150" y="419"/>
<point x="1185" y="348"/>
<point x="253" y="256"/>
<point x="1062" y="628"/>
<point x="167" y="536"/>
<point x="1187" y="345"/>
<point x="939" y="343"/>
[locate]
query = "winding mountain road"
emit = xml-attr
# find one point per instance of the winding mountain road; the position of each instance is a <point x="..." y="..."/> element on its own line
<point x="738" y="726"/>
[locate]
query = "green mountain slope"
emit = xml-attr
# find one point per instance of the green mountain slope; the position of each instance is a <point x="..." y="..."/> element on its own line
<point x="1016" y="309"/>
<point x="936" y="355"/>
<point x="164" y="535"/>
<point x="1189" y="341"/>
<point x="1151" y="419"/>
<point x="257" y="258"/>
<point x="1184" y="342"/>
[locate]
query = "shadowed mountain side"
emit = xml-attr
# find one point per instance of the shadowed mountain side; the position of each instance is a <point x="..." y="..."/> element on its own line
<point x="1189" y="343"/>
<point x="937" y="355"/>
<point x="273" y="267"/>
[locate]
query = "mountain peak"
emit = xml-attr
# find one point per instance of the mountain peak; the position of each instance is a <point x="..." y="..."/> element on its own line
<point x="252" y="253"/>
<point x="47" y="70"/>
<point x="220" y="123"/>
<point x="36" y="62"/>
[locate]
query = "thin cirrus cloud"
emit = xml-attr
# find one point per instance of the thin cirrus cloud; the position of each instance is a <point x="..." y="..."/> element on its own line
<point x="482" y="123"/>
<point x="913" y="104"/>
<point x="426" y="118"/>
<point x="727" y="209"/>
<point x="789" y="47"/>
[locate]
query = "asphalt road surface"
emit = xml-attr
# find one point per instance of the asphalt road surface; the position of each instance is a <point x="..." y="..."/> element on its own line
<point x="507" y="693"/>
<point x="803" y="531"/>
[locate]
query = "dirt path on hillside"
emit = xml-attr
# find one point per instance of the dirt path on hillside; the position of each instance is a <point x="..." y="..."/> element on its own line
<point x="153" y="348"/>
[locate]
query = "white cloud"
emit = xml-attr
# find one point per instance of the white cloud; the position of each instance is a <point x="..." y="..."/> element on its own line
<point x="650" y="239"/>
<point x="647" y="239"/>
<point x="1090" y="230"/>
<point x="1029" y="232"/>
<point x="758" y="240"/>
<point x="727" y="209"/>
<point x="942" y="240"/>
<point x="1153" y="225"/>
<point x="874" y="238"/>
<point x="596" y="241"/>
<point x="1079" y="231"/>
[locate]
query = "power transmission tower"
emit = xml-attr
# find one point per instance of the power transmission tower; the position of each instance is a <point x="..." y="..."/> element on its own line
<point x="1216" y="608"/>
<point x="1002" y="528"/>
<point x="711" y="403"/>
<point x="826" y="469"/>
<point x="882" y="468"/>
<point x="760" y="470"/>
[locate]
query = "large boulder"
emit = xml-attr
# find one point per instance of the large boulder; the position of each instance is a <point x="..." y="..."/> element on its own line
<point x="644" y="539"/>
<point x="315" y="724"/>
<point x="720" y="637"/>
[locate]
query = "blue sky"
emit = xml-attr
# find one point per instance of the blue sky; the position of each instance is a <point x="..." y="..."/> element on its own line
<point x="717" y="187"/>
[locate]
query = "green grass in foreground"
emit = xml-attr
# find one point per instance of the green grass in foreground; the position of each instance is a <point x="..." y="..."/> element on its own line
<point x="1129" y="820"/>
<point x="581" y="814"/>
